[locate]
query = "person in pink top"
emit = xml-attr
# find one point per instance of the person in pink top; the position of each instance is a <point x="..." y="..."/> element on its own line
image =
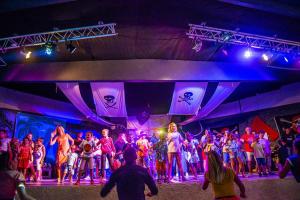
<point x="108" y="151"/>
<point x="247" y="140"/>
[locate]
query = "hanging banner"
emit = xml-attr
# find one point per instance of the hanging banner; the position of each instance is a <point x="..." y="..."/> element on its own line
<point x="187" y="98"/>
<point x="222" y="92"/>
<point x="109" y="99"/>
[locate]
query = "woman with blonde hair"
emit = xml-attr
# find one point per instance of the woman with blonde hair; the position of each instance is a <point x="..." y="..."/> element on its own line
<point x="222" y="179"/>
<point x="174" y="142"/>
<point x="62" y="138"/>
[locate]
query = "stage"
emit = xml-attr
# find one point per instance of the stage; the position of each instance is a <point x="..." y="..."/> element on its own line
<point x="256" y="189"/>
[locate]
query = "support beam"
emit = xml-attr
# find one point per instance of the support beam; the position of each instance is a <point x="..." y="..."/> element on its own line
<point x="139" y="70"/>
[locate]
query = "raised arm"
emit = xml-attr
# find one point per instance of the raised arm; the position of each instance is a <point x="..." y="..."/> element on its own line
<point x="70" y="139"/>
<point x="285" y="170"/>
<point x="108" y="186"/>
<point x="151" y="185"/>
<point x="53" y="139"/>
<point x="22" y="192"/>
<point x="241" y="186"/>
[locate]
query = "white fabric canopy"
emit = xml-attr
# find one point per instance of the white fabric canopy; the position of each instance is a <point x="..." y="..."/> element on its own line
<point x="222" y="92"/>
<point x="289" y="94"/>
<point x="155" y="121"/>
<point x="109" y="98"/>
<point x="72" y="92"/>
<point x="187" y="98"/>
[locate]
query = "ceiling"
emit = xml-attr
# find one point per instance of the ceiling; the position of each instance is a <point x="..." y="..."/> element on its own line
<point x="146" y="29"/>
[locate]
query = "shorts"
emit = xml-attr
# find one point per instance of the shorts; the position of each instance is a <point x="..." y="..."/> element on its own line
<point x="241" y="155"/>
<point x="69" y="169"/>
<point x="233" y="155"/>
<point x="161" y="166"/>
<point x="261" y="161"/>
<point x="89" y="161"/>
<point x="38" y="164"/>
<point x="226" y="157"/>
<point x="249" y="156"/>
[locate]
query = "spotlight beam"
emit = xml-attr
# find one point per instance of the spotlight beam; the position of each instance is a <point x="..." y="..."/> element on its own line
<point x="72" y="34"/>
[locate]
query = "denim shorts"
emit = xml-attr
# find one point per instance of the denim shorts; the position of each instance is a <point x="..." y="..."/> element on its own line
<point x="261" y="161"/>
<point x="226" y="157"/>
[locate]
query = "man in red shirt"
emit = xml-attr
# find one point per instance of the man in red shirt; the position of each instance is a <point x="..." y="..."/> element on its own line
<point x="247" y="139"/>
<point x="108" y="151"/>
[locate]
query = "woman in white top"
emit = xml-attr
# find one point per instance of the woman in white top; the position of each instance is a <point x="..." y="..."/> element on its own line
<point x="174" y="141"/>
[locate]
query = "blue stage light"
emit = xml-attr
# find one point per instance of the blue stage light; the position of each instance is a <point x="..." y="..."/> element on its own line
<point x="286" y="59"/>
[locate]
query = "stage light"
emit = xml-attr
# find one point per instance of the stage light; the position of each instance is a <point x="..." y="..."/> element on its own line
<point x="198" y="45"/>
<point x="286" y="59"/>
<point x="248" y="53"/>
<point x="70" y="47"/>
<point x="50" y="48"/>
<point x="225" y="52"/>
<point x="265" y="57"/>
<point x="26" y="54"/>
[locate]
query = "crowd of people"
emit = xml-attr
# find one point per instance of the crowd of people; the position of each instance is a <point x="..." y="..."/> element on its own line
<point x="164" y="155"/>
<point x="220" y="157"/>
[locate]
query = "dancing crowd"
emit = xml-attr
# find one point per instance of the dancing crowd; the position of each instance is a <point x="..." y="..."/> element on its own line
<point x="221" y="157"/>
<point x="164" y="155"/>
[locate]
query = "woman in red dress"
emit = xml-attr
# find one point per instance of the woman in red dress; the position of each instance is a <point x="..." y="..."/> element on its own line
<point x="25" y="156"/>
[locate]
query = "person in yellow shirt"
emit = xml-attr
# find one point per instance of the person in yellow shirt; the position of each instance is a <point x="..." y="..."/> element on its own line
<point x="222" y="179"/>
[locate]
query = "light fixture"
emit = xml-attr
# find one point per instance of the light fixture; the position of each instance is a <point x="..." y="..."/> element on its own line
<point x="198" y="45"/>
<point x="70" y="47"/>
<point x="50" y="48"/>
<point x="286" y="59"/>
<point x="25" y="53"/>
<point x="265" y="57"/>
<point x="247" y="53"/>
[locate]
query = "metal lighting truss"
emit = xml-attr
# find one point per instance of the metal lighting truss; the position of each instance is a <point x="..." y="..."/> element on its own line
<point x="101" y="30"/>
<point x="202" y="32"/>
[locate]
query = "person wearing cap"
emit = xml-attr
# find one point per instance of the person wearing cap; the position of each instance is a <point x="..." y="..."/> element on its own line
<point x="143" y="150"/>
<point x="130" y="179"/>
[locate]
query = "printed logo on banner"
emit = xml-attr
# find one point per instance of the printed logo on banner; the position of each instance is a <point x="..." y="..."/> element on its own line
<point x="110" y="101"/>
<point x="187" y="97"/>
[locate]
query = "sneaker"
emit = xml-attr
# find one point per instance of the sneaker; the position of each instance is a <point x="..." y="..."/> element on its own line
<point x="259" y="174"/>
<point x="92" y="182"/>
<point x="265" y="174"/>
<point x="183" y="179"/>
<point x="77" y="183"/>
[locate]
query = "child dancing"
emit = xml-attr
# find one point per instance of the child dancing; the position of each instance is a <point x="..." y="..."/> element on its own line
<point x="87" y="146"/>
<point x="71" y="163"/>
<point x="161" y="149"/>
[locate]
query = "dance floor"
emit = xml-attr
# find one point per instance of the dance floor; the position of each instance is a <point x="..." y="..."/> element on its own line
<point x="259" y="188"/>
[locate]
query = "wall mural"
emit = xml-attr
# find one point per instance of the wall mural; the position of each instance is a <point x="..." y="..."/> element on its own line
<point x="7" y="121"/>
<point x="39" y="126"/>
